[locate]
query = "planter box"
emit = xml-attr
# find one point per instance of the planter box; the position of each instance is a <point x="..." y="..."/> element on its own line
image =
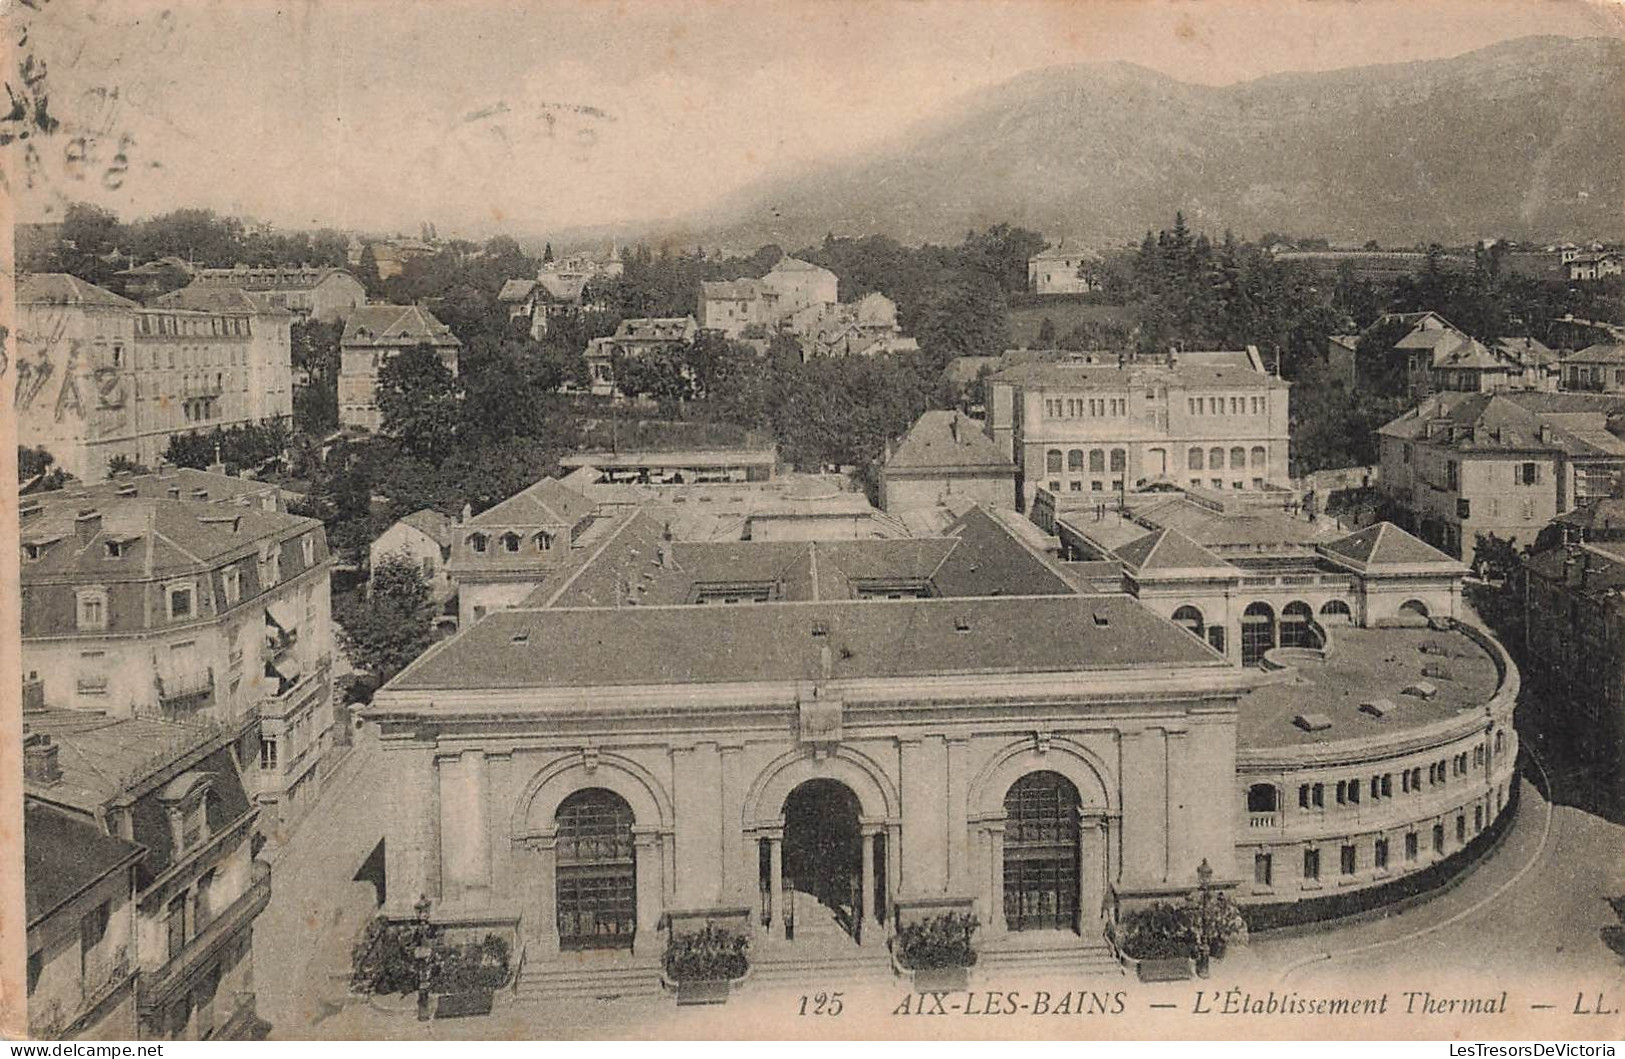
<point x="703" y="991"/>
<point x="1165" y="969"/>
<point x="941" y="979"/>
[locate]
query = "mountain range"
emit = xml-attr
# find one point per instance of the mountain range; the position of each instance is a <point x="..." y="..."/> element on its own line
<point x="1524" y="139"/>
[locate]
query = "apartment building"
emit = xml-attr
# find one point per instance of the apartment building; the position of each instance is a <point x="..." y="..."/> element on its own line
<point x="1507" y="463"/>
<point x="309" y="293"/>
<point x="100" y="376"/>
<point x="187" y="609"/>
<point x="165" y="801"/>
<point x="372" y="335"/>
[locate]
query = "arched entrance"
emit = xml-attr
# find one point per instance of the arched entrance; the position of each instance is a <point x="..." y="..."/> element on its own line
<point x="596" y="873"/>
<point x="1041" y="853"/>
<point x="823" y="860"/>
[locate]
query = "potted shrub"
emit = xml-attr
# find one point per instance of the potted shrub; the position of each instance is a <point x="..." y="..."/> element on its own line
<point x="937" y="950"/>
<point x="704" y="963"/>
<point x="1216" y="924"/>
<point x="1159" y="940"/>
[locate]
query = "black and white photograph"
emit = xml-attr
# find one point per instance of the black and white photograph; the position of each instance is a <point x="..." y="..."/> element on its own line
<point x="813" y="520"/>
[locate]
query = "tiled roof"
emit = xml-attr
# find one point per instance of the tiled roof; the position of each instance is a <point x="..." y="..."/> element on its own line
<point x="59" y="288"/>
<point x="1385" y="544"/>
<point x="1601" y="353"/>
<point x="161" y="537"/>
<point x="795" y="264"/>
<point x="431" y="522"/>
<point x="1511" y="421"/>
<point x="1059" y="253"/>
<point x="974" y="556"/>
<point x="651" y="646"/>
<point x="221" y="488"/>
<point x="657" y="328"/>
<point x="1196" y="372"/>
<point x="65" y="854"/>
<point x="394" y="325"/>
<point x="218" y="299"/>
<point x="562" y="288"/>
<point x="1167" y="549"/>
<point x="546" y="503"/>
<point x="268" y="278"/>
<point x="516" y="290"/>
<point x="731" y="290"/>
<point x="943" y="440"/>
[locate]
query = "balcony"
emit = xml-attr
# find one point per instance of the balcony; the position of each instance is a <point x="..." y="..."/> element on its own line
<point x="1258" y="820"/>
<point x="158" y="987"/>
<point x="185" y="692"/>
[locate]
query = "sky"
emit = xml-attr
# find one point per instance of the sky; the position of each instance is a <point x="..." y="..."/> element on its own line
<point x="484" y="116"/>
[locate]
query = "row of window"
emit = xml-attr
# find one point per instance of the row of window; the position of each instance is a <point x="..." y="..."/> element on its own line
<point x="1236" y="406"/>
<point x="511" y="542"/>
<point x="189" y="357"/>
<point x="1098" y="460"/>
<point x="1348" y="861"/>
<point x="1261" y="796"/>
<point x="180" y="598"/>
<point x="1239" y="458"/>
<point x="151" y="323"/>
<point x="1077" y="407"/>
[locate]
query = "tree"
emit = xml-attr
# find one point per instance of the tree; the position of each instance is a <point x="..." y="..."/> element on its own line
<point x="36" y="463"/>
<point x="1495" y="558"/>
<point x="366" y="271"/>
<point x="418" y="402"/>
<point x="1046" y="334"/>
<point x="392" y="624"/>
<point x="123" y="464"/>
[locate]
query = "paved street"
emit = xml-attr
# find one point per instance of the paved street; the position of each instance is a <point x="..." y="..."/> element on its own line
<point x="1533" y="912"/>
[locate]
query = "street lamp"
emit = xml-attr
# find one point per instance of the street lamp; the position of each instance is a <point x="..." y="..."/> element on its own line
<point x="421" y="953"/>
<point x="1204" y="939"/>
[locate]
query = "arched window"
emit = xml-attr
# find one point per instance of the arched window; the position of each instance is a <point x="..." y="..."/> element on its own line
<point x="510" y="542"/>
<point x="1074" y="460"/>
<point x="1193" y="459"/>
<point x="1052" y="461"/>
<point x="1238" y="458"/>
<point x="1261" y="456"/>
<point x="1041" y="853"/>
<point x="1295" y="621"/>
<point x="1413" y="608"/>
<point x="1257" y="632"/>
<point x="1119" y="461"/>
<point x="544" y="541"/>
<point x="1215" y="459"/>
<point x="596" y="872"/>
<point x="1097" y="461"/>
<point x="1261" y="798"/>
<point x="479" y="542"/>
<point x="1336" y="610"/>
<point x="1190" y="619"/>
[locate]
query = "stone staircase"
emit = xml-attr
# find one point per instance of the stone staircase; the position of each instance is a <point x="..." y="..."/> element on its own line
<point x="578" y="976"/>
<point x="822" y="954"/>
<point x="1044" y="954"/>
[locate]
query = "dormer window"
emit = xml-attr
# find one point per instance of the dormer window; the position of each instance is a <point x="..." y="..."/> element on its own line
<point x="307" y="548"/>
<point x="544" y="542"/>
<point x="510" y="542"/>
<point x="182" y="600"/>
<point x="270" y="565"/>
<point x="92" y="609"/>
<point x="35" y="550"/>
<point x="233" y="578"/>
<point x="478" y="542"/>
<point x="117" y="547"/>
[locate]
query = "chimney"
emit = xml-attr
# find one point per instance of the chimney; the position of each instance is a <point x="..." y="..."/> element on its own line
<point x="468" y="513"/>
<point x="86" y="525"/>
<point x="40" y="764"/>
<point x="33" y="693"/>
<point x="1173" y="357"/>
<point x="953" y="427"/>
